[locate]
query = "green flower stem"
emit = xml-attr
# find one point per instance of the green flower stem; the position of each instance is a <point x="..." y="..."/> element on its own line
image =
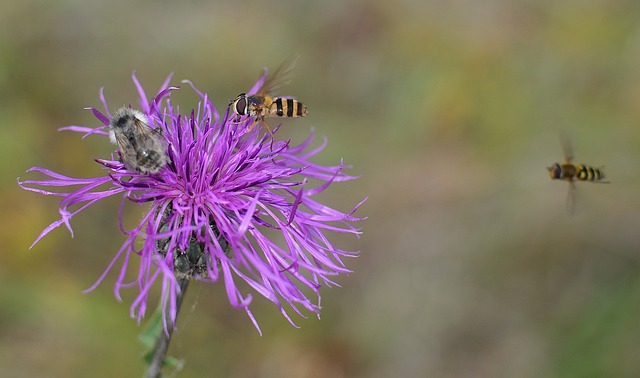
<point x="162" y="342"/>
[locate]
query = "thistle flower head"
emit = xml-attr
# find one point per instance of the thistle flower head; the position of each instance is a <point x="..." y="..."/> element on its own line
<point x="214" y="210"/>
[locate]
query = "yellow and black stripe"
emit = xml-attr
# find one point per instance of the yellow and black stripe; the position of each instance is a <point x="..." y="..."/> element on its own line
<point x="588" y="173"/>
<point x="288" y="107"/>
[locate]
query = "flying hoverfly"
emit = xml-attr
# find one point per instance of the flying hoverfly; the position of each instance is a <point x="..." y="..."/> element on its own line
<point x="263" y="104"/>
<point x="142" y="148"/>
<point x="570" y="172"/>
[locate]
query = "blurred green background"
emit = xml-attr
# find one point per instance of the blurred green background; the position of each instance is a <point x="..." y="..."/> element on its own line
<point x="449" y="112"/>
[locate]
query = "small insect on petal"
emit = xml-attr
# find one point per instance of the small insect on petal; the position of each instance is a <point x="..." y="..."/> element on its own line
<point x="263" y="104"/>
<point x="142" y="148"/>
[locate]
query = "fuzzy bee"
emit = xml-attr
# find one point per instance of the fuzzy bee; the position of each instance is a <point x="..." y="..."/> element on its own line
<point x="570" y="172"/>
<point x="262" y="104"/>
<point x="142" y="149"/>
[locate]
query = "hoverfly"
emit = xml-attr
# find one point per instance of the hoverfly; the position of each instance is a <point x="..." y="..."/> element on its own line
<point x="571" y="173"/>
<point x="142" y="148"/>
<point x="262" y="105"/>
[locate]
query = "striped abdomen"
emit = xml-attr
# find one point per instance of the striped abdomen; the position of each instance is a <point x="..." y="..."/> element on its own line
<point x="287" y="107"/>
<point x="567" y="171"/>
<point x="588" y="173"/>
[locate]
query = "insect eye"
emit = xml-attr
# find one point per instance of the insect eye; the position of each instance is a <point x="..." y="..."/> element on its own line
<point x="555" y="171"/>
<point x="241" y="104"/>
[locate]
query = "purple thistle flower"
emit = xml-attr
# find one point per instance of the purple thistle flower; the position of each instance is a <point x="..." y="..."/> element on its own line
<point x="211" y="206"/>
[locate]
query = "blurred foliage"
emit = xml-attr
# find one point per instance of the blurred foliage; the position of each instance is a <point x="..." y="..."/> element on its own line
<point x="449" y="112"/>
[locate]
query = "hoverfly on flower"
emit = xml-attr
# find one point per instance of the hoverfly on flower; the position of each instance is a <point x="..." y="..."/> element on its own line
<point x="263" y="104"/>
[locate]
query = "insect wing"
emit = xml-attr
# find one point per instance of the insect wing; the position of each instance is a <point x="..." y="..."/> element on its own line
<point x="280" y="77"/>
<point x="571" y="198"/>
<point x="149" y="138"/>
<point x="127" y="150"/>
<point x="567" y="148"/>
